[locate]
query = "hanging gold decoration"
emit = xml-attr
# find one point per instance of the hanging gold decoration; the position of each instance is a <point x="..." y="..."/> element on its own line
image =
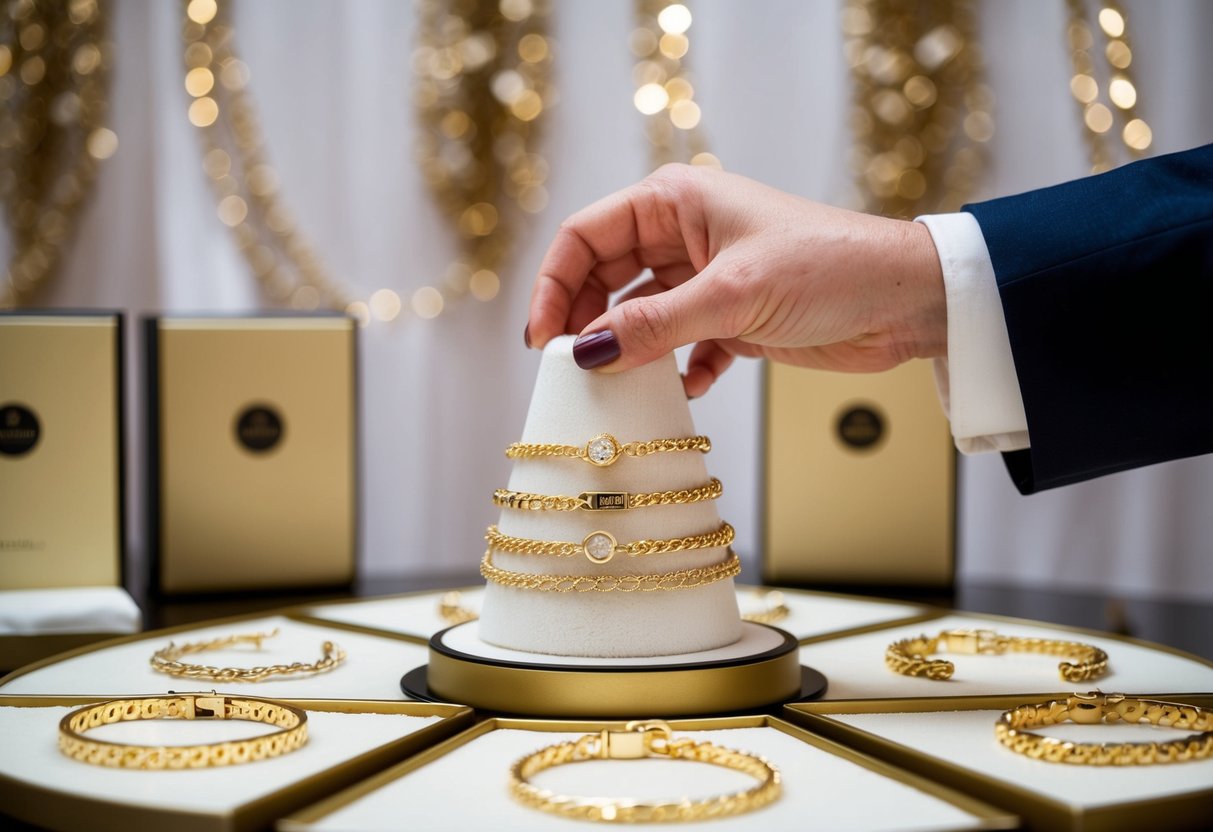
<point x="54" y="76"/>
<point x="492" y="49"/>
<point x="1119" y="91"/>
<point x="922" y="112"/>
<point x="664" y="91"/>
<point x="482" y="72"/>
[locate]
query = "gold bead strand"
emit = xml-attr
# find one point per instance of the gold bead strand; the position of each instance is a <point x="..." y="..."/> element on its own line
<point x="54" y="88"/>
<point x="922" y="113"/>
<point x="482" y="84"/>
<point x="664" y="91"/>
<point x="1100" y="118"/>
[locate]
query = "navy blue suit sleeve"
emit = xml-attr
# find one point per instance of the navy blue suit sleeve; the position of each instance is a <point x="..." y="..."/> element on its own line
<point x="1107" y="289"/>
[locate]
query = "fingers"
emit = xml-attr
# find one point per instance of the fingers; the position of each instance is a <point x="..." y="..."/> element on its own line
<point x="611" y="241"/>
<point x="709" y="359"/>
<point x="648" y="326"/>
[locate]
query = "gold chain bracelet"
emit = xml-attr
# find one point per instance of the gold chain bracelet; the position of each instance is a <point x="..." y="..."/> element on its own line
<point x="909" y="657"/>
<point x="165" y="660"/>
<point x="606" y="500"/>
<point x="604" y="449"/>
<point x="640" y="739"/>
<point x="774" y="611"/>
<point x="600" y="546"/>
<point x="291" y="720"/>
<point x="1094" y="708"/>
<point x="682" y="579"/>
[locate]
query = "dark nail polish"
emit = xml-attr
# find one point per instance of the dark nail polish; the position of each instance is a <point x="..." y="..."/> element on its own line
<point x="595" y="349"/>
<point x="526" y="336"/>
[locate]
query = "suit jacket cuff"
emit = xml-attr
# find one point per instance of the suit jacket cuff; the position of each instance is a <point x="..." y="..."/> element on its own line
<point x="977" y="383"/>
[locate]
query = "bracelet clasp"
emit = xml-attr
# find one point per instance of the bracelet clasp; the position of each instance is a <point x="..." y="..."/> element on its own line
<point x="203" y="705"/>
<point x="639" y="738"/>
<point x="974" y="641"/>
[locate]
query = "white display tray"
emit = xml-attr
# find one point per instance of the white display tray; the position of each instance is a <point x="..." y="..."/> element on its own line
<point x="347" y="741"/>
<point x="856" y="669"/>
<point x="811" y="614"/>
<point x="462" y="785"/>
<point x="956" y="745"/>
<point x="371" y="671"/>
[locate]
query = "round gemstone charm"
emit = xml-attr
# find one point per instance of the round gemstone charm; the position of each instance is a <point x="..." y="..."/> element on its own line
<point x="599" y="546"/>
<point x="602" y="449"/>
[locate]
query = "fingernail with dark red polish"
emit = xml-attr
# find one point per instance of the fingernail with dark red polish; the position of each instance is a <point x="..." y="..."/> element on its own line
<point x="526" y="336"/>
<point x="595" y="349"/>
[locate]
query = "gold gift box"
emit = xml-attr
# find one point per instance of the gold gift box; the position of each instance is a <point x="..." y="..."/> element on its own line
<point x="252" y="447"/>
<point x="860" y="479"/>
<point x="61" y="473"/>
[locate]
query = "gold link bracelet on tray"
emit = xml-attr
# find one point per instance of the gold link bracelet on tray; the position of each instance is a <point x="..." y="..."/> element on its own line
<point x="292" y="722"/>
<point x="600" y="546"/>
<point x="606" y="500"/>
<point x="1094" y="708"/>
<point x="166" y="660"/>
<point x="910" y="656"/>
<point x="640" y="739"/>
<point x="662" y="581"/>
<point x="605" y="449"/>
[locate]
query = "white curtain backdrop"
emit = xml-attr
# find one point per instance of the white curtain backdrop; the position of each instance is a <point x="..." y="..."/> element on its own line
<point x="442" y="398"/>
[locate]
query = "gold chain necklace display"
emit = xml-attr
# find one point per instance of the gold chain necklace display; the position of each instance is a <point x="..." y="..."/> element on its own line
<point x="54" y="78"/>
<point x="472" y="55"/>
<point x="921" y="113"/>
<point x="663" y="87"/>
<point x="483" y="71"/>
<point x="1097" y="117"/>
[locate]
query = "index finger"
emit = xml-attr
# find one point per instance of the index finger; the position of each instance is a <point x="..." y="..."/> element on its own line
<point x="606" y="232"/>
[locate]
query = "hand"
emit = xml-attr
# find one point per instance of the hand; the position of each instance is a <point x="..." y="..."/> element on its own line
<point x="742" y="269"/>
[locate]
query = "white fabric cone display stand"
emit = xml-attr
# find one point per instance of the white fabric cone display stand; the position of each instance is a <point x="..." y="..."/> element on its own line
<point x="607" y="653"/>
<point x="570" y="407"/>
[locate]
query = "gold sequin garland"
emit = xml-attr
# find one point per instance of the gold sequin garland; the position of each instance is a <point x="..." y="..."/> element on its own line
<point x="482" y="84"/>
<point x="664" y="91"/>
<point x="247" y="185"/>
<point x="1100" y="119"/>
<point x="921" y="111"/>
<point x="54" y="79"/>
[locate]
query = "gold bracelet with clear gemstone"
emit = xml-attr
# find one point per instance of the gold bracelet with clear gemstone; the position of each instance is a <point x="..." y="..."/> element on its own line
<point x="1094" y="708"/>
<point x="605" y="449"/>
<point x="292" y="722"/>
<point x="662" y="581"/>
<point x="606" y="500"/>
<point x="640" y="739"/>
<point x="600" y="546"/>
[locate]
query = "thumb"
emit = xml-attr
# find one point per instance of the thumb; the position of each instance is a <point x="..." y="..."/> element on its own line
<point x="643" y="329"/>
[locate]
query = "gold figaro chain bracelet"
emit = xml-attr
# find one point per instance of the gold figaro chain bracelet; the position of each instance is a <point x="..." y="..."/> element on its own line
<point x="681" y="579"/>
<point x="1094" y="708"/>
<point x="606" y="500"/>
<point x="605" y="449"/>
<point x="165" y="660"/>
<point x="292" y="721"/>
<point x="909" y="656"/>
<point x="600" y="546"/>
<point x="639" y="739"/>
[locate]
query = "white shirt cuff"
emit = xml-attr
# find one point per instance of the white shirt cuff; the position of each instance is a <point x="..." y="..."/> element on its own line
<point x="977" y="383"/>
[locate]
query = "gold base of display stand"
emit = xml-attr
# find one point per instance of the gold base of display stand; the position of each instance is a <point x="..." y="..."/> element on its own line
<point x="663" y="688"/>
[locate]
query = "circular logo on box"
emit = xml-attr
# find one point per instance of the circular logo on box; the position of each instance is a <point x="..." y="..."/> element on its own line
<point x="860" y="427"/>
<point x="259" y="428"/>
<point x="19" y="429"/>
